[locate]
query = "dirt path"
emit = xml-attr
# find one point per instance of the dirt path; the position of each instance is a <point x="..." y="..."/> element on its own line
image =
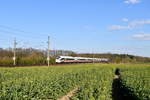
<point x="69" y="95"/>
<point x="119" y="90"/>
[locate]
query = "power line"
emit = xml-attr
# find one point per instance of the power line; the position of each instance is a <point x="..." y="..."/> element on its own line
<point x="21" y="39"/>
<point x="48" y="51"/>
<point x="16" y="29"/>
<point x="15" y="34"/>
<point x="14" y="50"/>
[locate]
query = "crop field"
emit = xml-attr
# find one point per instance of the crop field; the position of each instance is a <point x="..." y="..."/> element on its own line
<point x="91" y="82"/>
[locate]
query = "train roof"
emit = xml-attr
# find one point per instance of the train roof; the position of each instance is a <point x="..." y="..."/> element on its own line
<point x="82" y="57"/>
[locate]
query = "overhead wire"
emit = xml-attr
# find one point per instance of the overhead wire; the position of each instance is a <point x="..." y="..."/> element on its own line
<point x="13" y="35"/>
<point x="22" y="36"/>
<point x="20" y="30"/>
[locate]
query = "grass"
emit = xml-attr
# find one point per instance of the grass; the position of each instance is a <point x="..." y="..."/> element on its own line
<point x="94" y="81"/>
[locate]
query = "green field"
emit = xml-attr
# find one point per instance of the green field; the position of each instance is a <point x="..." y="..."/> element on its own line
<point x="94" y="81"/>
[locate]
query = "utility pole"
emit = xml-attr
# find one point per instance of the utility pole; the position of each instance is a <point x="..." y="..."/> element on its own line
<point x="14" y="50"/>
<point x="48" y="51"/>
<point x="93" y="56"/>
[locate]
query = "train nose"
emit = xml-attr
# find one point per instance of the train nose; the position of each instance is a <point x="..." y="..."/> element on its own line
<point x="58" y="61"/>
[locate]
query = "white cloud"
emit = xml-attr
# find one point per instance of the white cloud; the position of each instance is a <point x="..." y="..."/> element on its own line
<point x="140" y="22"/>
<point x="132" y="1"/>
<point x="125" y="20"/>
<point x="142" y="36"/>
<point x="119" y="27"/>
<point x="130" y="25"/>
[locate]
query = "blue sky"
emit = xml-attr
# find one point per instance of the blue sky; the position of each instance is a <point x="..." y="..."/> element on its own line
<point x="102" y="26"/>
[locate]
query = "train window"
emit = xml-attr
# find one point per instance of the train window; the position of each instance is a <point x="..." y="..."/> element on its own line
<point x="58" y="57"/>
<point x="62" y="59"/>
<point x="69" y="59"/>
<point x="82" y="59"/>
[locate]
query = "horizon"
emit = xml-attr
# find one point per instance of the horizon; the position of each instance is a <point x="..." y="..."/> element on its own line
<point x="52" y="50"/>
<point x="120" y="26"/>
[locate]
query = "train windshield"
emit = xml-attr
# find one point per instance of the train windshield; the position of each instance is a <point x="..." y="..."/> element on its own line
<point x="58" y="57"/>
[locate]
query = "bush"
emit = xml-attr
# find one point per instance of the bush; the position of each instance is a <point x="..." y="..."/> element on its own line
<point x="4" y="62"/>
<point x="26" y="61"/>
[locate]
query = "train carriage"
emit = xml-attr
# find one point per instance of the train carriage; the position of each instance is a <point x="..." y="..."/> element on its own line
<point x="70" y="59"/>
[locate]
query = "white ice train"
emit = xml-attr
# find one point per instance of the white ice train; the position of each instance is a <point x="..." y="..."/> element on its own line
<point x="70" y="59"/>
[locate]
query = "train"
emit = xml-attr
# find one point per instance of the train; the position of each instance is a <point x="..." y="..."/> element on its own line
<point x="70" y="59"/>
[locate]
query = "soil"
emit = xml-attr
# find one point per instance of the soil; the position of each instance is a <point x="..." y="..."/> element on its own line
<point x="69" y="95"/>
<point x="120" y="91"/>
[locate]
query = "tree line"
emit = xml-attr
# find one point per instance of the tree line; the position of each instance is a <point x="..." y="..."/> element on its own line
<point x="118" y="58"/>
<point x="31" y="56"/>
